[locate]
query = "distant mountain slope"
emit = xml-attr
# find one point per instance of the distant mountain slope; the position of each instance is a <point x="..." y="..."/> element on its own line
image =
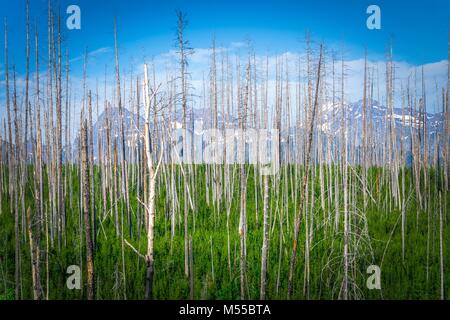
<point x="328" y="122"/>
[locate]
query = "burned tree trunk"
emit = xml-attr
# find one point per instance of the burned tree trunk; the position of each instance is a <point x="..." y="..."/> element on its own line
<point x="293" y="258"/>
<point x="87" y="211"/>
<point x="150" y="206"/>
<point x="34" y="253"/>
<point x="266" y="226"/>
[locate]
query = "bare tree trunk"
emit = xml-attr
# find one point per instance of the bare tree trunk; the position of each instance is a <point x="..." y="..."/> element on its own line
<point x="191" y="269"/>
<point x="87" y="211"/>
<point x="150" y="207"/>
<point x="293" y="258"/>
<point x="265" y="245"/>
<point x="39" y="192"/>
<point x="16" y="153"/>
<point x="344" y="147"/>
<point x="182" y="52"/>
<point x="34" y="253"/>
<point x="243" y="189"/>
<point x="122" y="129"/>
<point x="441" y="248"/>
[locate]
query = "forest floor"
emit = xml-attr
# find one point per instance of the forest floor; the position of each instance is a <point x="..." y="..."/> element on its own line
<point x="375" y="239"/>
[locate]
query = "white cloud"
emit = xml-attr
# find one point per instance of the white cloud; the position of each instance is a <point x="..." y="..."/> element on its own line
<point x="199" y="68"/>
<point x="93" y="54"/>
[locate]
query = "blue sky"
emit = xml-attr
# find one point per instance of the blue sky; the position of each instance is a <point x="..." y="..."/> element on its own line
<point x="418" y="28"/>
<point x="146" y="29"/>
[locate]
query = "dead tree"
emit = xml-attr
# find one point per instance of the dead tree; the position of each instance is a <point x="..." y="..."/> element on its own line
<point x="183" y="52"/>
<point x="87" y="211"/>
<point x="293" y="258"/>
<point x="122" y="130"/>
<point x="265" y="245"/>
<point x="39" y="185"/>
<point x="150" y="206"/>
<point x="243" y="186"/>
<point x="34" y="253"/>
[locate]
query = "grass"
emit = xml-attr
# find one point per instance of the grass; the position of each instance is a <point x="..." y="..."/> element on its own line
<point x="120" y="276"/>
